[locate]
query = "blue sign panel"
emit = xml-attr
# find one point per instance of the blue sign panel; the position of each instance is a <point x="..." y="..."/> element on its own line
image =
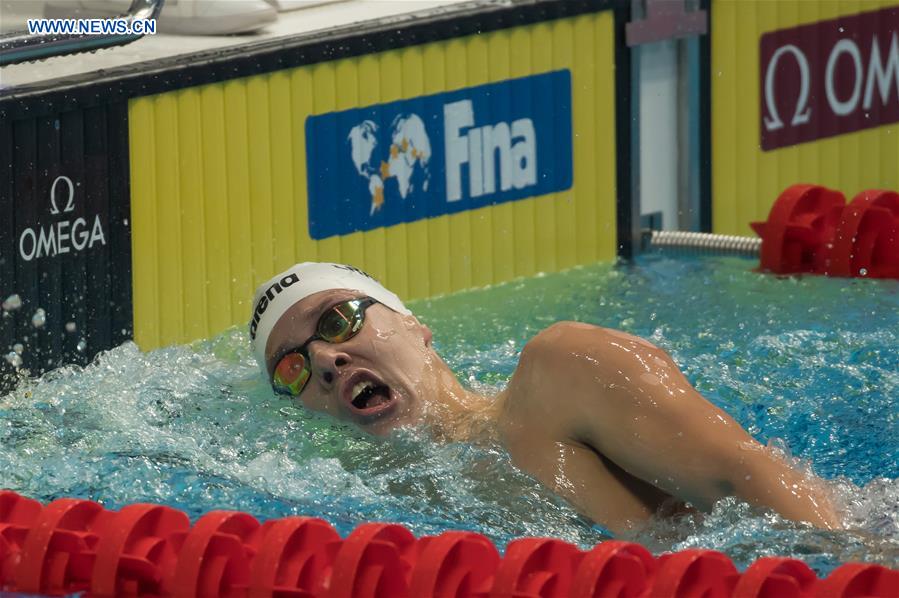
<point x="438" y="154"/>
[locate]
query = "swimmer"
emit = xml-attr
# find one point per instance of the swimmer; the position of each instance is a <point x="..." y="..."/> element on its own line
<point x="603" y="418"/>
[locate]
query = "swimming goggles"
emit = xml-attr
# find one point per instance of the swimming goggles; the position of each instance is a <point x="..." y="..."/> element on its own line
<point x="339" y="323"/>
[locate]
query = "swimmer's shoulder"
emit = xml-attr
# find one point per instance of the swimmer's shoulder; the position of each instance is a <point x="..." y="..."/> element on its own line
<point x="549" y="358"/>
<point x="570" y="366"/>
<point x="567" y="351"/>
<point x="561" y="337"/>
<point x="556" y="374"/>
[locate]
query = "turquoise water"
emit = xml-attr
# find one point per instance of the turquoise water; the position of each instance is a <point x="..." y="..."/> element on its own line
<point x="809" y="365"/>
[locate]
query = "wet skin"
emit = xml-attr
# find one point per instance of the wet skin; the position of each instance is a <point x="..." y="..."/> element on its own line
<point x="604" y="418"/>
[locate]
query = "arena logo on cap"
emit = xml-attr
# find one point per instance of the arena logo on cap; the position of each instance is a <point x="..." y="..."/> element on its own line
<point x="439" y="154"/>
<point x="829" y="78"/>
<point x="270" y="293"/>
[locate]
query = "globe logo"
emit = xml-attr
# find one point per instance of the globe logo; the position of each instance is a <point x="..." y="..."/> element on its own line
<point x="408" y="154"/>
<point x="428" y="156"/>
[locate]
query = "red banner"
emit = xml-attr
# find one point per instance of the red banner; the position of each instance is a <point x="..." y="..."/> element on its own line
<point x="829" y="78"/>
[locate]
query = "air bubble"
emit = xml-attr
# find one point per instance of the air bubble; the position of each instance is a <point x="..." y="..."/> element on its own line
<point x="39" y="318"/>
<point x="81" y="346"/>
<point x="14" y="360"/>
<point x="12" y="303"/>
<point x="71" y="327"/>
<point x="863" y="272"/>
<point x="18" y="348"/>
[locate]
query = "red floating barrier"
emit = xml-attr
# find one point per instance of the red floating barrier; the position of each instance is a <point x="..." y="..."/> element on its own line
<point x="539" y="567"/>
<point x="17" y="515"/>
<point x="694" y="574"/>
<point x="294" y="557"/>
<point x="810" y="229"/>
<point x="136" y="549"/>
<point x="149" y="550"/>
<point x="857" y="580"/>
<point x="866" y="242"/>
<point x="775" y="577"/>
<point x="800" y="225"/>
<point x="214" y="557"/>
<point x="373" y="562"/>
<point x="58" y="553"/>
<point x="454" y="565"/>
<point x="613" y="568"/>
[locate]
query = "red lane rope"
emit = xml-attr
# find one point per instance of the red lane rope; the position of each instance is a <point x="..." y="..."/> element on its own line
<point x="811" y="229"/>
<point x="73" y="545"/>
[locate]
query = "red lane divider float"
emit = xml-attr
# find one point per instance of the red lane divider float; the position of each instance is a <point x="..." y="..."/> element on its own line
<point x="811" y="229"/>
<point x="459" y="564"/>
<point x="295" y="558"/>
<point x="74" y="545"/>
<point x="775" y="577"/>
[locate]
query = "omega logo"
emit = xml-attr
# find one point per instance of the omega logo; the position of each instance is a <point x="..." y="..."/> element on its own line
<point x="803" y="112"/>
<point x="883" y="76"/>
<point x="64" y="235"/>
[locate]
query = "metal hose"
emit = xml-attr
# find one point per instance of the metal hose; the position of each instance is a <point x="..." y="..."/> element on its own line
<point x="704" y="243"/>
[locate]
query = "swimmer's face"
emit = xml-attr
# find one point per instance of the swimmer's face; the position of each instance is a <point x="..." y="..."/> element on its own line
<point x="376" y="379"/>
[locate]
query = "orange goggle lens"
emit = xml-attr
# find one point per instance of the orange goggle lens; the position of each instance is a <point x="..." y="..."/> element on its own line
<point x="291" y="374"/>
<point x="338" y="324"/>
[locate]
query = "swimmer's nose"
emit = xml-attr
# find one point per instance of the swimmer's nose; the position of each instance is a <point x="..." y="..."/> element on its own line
<point x="327" y="361"/>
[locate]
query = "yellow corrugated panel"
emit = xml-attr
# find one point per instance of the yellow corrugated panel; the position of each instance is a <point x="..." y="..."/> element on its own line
<point x="240" y="218"/>
<point x="143" y="223"/>
<point x="303" y="103"/>
<point x="217" y="249"/>
<point x="259" y="178"/>
<point x="219" y="180"/>
<point x="284" y="222"/>
<point x="168" y="216"/>
<point x="746" y="180"/>
<point x="192" y="203"/>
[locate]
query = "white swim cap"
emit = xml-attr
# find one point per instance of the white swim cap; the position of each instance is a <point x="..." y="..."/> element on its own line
<point x="279" y="293"/>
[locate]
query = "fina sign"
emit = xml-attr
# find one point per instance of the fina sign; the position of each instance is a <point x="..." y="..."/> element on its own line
<point x="829" y="78"/>
<point x="63" y="235"/>
<point x="439" y="154"/>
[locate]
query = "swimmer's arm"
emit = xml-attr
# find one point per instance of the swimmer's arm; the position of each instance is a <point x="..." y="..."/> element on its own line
<point x="629" y="401"/>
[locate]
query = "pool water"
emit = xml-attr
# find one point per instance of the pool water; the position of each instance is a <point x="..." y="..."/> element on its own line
<point x="808" y="365"/>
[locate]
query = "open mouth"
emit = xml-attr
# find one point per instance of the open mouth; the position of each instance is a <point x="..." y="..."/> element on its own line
<point x="367" y="395"/>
